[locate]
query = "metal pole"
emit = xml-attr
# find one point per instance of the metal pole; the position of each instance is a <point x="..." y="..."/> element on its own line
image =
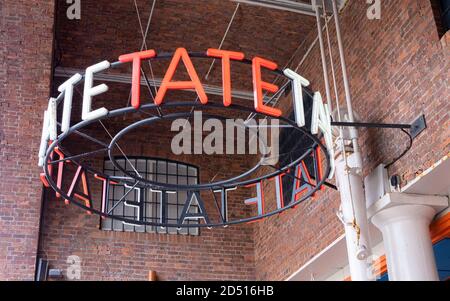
<point x="354" y="217"/>
<point x="322" y="54"/>
<point x="349" y="178"/>
<point x="372" y="125"/>
<point x="348" y="96"/>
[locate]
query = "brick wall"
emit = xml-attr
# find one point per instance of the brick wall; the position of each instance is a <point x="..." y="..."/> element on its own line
<point x="398" y="70"/>
<point x="108" y="29"/>
<point x="220" y="253"/>
<point x="216" y="254"/>
<point x="26" y="37"/>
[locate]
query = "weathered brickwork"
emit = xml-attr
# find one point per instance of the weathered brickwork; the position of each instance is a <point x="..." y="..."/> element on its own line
<point x="397" y="66"/>
<point x="216" y="254"/>
<point x="398" y="70"/>
<point x="26" y="37"/>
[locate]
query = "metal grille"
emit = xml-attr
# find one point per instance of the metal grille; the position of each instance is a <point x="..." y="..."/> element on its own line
<point x="156" y="170"/>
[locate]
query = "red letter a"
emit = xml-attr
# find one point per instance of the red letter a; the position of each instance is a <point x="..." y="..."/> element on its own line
<point x="167" y="83"/>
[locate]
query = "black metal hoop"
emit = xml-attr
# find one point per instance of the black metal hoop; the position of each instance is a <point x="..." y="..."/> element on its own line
<point x="236" y="181"/>
<point x="224" y="185"/>
<point x="167" y="186"/>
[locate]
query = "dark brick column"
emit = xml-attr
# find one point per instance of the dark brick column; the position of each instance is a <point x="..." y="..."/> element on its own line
<point x="26" y="37"/>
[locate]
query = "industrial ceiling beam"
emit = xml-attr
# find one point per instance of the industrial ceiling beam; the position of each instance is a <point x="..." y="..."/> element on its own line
<point x="292" y="6"/>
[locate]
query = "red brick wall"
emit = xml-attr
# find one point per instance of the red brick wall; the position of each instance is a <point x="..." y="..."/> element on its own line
<point x="108" y="29"/>
<point x="219" y="253"/>
<point x="215" y="254"/>
<point x="398" y="70"/>
<point x="26" y="37"/>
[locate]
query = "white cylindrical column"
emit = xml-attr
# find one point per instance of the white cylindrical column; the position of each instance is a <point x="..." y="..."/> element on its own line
<point x="353" y="207"/>
<point x="406" y="236"/>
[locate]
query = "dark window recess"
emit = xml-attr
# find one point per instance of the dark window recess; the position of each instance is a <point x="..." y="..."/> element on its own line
<point x="148" y="201"/>
<point x="294" y="144"/>
<point x="441" y="11"/>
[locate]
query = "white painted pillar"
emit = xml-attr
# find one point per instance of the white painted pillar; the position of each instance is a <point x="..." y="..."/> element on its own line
<point x="406" y="236"/>
<point x="353" y="207"/>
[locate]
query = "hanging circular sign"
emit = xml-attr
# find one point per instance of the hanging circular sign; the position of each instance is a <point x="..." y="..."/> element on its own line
<point x="307" y="169"/>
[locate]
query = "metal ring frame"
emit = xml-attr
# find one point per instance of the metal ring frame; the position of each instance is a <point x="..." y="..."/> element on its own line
<point x="224" y="184"/>
<point x="175" y="187"/>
